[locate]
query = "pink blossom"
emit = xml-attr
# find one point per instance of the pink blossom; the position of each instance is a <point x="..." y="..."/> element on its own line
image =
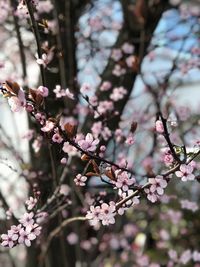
<point x="118" y="93"/>
<point x="185" y="173"/>
<point x="157" y="185"/>
<point x="27" y="219"/>
<point x="159" y="127"/>
<point x="44" y="91"/>
<point x="89" y="143"/>
<point x="34" y="229"/>
<point x="9" y="239"/>
<point x="123" y="180"/>
<point x="63" y="161"/>
<point x="48" y="126"/>
<point x="44" y="6"/>
<point x="107" y="214"/>
<point x="130" y="140"/>
<point x="80" y="180"/>
<point x="57" y="138"/>
<point x="31" y="202"/>
<point x="151" y="196"/>
<point x="69" y="149"/>
<point x="93" y="215"/>
<point x="46" y="58"/>
<point x="105" y="106"/>
<point x="26" y="236"/>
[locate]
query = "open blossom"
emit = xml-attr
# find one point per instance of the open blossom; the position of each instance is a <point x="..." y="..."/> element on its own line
<point x="80" y="180"/>
<point x="31" y="202"/>
<point x="26" y="236"/>
<point x="48" y="126"/>
<point x="185" y="173"/>
<point x="153" y="197"/>
<point x="93" y="215"/>
<point x="118" y="93"/>
<point x="107" y="215"/>
<point x="57" y="138"/>
<point x="89" y="143"/>
<point x="27" y="219"/>
<point x="105" y="106"/>
<point x="104" y="213"/>
<point x="157" y="185"/>
<point x="9" y="239"/>
<point x="123" y="180"/>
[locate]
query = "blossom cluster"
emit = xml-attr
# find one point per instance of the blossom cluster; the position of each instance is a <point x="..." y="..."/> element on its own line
<point x="104" y="213"/>
<point x="23" y="233"/>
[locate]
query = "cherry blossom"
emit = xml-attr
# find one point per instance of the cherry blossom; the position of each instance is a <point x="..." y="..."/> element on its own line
<point x="69" y="149"/>
<point x="48" y="126"/>
<point x="80" y="180"/>
<point x="57" y="138"/>
<point x="27" y="219"/>
<point x="157" y="185"/>
<point x="44" y="91"/>
<point x="88" y="143"/>
<point x="107" y="215"/>
<point x="25" y="236"/>
<point x="118" y="93"/>
<point x="93" y="215"/>
<point x="123" y="180"/>
<point x="9" y="239"/>
<point x="185" y="173"/>
<point x="31" y="202"/>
